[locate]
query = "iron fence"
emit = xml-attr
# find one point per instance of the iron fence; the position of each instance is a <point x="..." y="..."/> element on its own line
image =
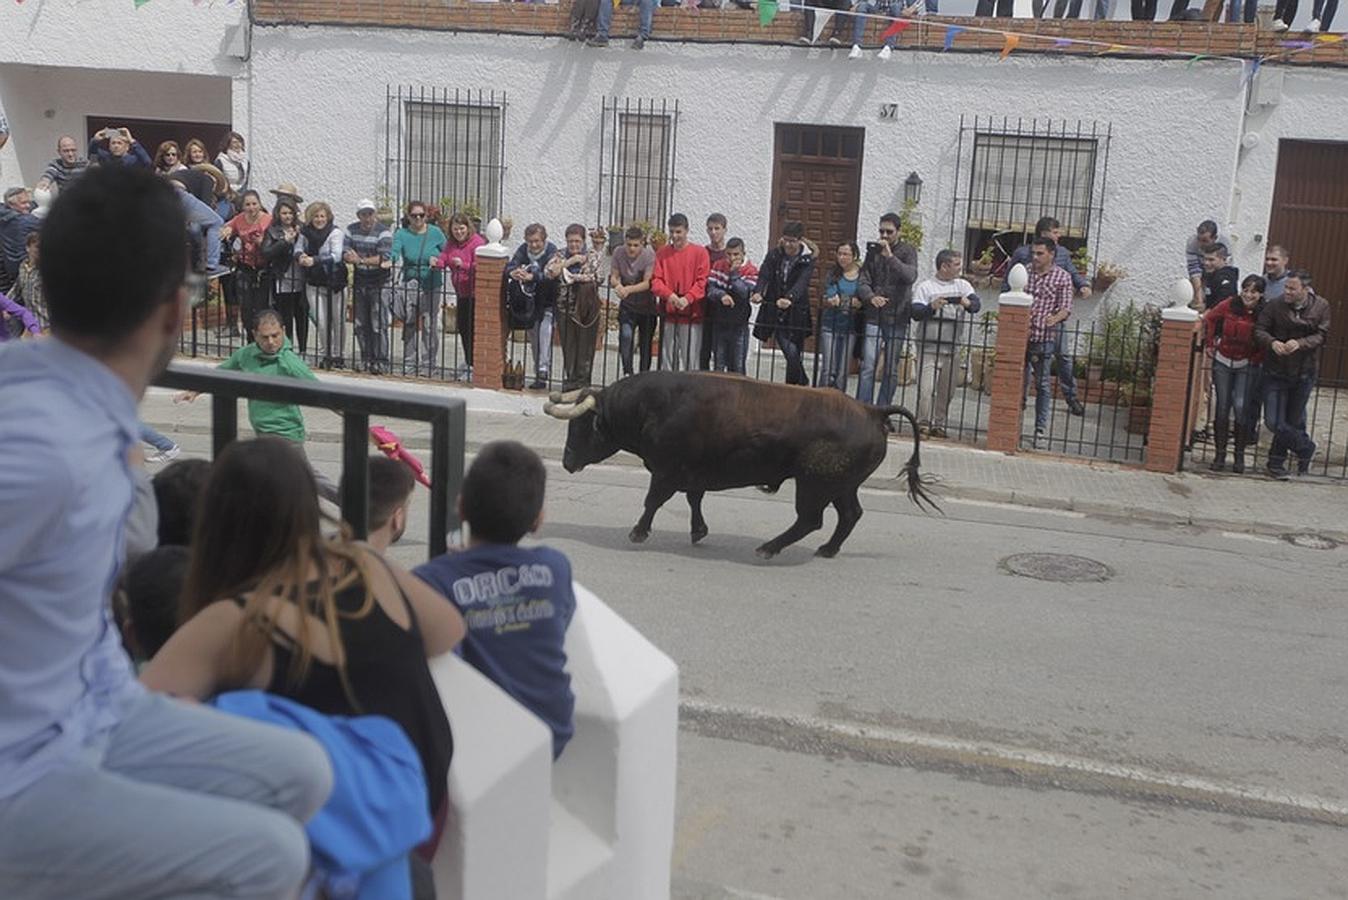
<point x="349" y="329"/>
<point x="948" y="386"/>
<point x="638" y="146"/>
<point x="1326" y="422"/>
<point x="1088" y="388"/>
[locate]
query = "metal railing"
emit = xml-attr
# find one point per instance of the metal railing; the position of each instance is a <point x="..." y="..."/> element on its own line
<point x="1326" y="422"/>
<point x="1108" y="366"/>
<point x="355" y="404"/>
<point x="962" y="369"/>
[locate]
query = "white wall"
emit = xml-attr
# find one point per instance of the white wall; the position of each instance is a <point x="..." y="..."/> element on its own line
<point x="1171" y="164"/>
<point x="1311" y="105"/>
<point x="44" y="102"/>
<point x="162" y="36"/>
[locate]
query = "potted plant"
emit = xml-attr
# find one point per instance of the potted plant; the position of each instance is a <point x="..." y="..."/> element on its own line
<point x="615" y="236"/>
<point x="1105" y="275"/>
<point x="385" y="212"/>
<point x="981" y="265"/>
<point x="1082" y="260"/>
<point x="657" y="238"/>
<point x="1136" y="395"/>
<point x="982" y="359"/>
<point x="473" y="210"/>
<point x="910" y="225"/>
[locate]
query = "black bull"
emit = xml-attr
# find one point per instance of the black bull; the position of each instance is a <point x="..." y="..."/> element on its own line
<point x="699" y="432"/>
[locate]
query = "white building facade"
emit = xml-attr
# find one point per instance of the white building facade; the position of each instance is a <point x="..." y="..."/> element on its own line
<point x="1129" y="153"/>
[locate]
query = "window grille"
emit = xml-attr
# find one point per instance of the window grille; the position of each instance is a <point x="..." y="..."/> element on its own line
<point x="637" y="161"/>
<point x="447" y="148"/>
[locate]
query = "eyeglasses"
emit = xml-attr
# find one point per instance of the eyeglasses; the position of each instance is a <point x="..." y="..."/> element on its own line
<point x="170" y="152"/>
<point x="416" y="215"/>
<point x="887" y="231"/>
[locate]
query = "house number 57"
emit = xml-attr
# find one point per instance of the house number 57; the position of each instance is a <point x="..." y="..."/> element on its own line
<point x="889" y="111"/>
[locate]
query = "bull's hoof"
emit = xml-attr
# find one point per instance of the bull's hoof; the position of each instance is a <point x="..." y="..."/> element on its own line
<point x="637" y="536"/>
<point x="826" y="552"/>
<point x="698" y="534"/>
<point x="765" y="552"/>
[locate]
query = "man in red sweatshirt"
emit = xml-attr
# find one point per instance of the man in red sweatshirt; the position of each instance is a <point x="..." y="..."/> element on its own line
<point x="680" y="284"/>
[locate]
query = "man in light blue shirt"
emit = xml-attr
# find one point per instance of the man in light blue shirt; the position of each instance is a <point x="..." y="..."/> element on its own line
<point x="108" y="790"/>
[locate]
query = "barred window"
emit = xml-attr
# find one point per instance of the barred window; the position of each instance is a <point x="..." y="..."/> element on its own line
<point x="638" y="153"/>
<point x="451" y="147"/>
<point x="1021" y="170"/>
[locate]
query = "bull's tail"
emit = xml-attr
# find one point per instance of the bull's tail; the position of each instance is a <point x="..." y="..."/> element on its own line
<point x="917" y="482"/>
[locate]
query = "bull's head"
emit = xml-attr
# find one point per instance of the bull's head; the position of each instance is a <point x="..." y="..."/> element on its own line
<point x="586" y="440"/>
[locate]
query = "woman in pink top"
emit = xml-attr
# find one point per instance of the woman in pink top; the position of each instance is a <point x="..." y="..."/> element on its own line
<point x="459" y="258"/>
<point x="252" y="279"/>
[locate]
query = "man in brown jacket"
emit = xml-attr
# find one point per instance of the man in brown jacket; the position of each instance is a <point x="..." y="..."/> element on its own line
<point x="1291" y="331"/>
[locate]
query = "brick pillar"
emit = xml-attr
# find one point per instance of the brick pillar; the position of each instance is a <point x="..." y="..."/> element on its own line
<point x="1170" y="389"/>
<point x="1008" y="370"/>
<point x="489" y="326"/>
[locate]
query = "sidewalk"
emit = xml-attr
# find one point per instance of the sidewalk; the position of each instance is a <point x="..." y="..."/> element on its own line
<point x="1248" y="503"/>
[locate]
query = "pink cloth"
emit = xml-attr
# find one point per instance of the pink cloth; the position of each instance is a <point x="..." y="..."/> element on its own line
<point x="464" y="275"/>
<point x="392" y="447"/>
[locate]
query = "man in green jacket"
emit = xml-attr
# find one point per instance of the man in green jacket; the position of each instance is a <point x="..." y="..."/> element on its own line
<point x="271" y="354"/>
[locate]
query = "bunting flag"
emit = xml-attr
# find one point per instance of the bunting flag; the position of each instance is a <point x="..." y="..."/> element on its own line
<point x="767" y="11"/>
<point x="1297" y="45"/>
<point x="1192" y="60"/>
<point x="1012" y="42"/>
<point x="950" y="32"/>
<point x="898" y="27"/>
<point x="140" y="3"/>
<point x="1254" y="70"/>
<point x="1063" y="42"/>
<point x="1113" y="48"/>
<point x="1329" y="38"/>
<point x="821" y="19"/>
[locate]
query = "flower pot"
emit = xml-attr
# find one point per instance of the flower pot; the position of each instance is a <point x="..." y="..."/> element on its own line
<point x="981" y="363"/>
<point x="1139" y="419"/>
<point x="1101" y="283"/>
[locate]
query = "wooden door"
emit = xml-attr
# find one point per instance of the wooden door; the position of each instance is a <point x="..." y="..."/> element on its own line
<point x="1310" y="219"/>
<point x="816" y="180"/>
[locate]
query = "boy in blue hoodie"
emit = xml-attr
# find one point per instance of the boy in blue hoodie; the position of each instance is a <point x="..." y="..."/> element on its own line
<point x="517" y="601"/>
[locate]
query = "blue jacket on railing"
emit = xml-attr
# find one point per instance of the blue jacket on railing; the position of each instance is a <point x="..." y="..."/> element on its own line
<point x="377" y="812"/>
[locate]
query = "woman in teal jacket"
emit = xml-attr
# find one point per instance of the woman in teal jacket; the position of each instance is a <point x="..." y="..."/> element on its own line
<point x="417" y="246"/>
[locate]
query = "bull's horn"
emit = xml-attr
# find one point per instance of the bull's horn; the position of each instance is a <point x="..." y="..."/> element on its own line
<point x="567" y="396"/>
<point x="570" y="410"/>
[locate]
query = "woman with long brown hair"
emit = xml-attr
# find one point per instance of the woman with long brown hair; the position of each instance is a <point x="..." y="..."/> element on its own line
<point x="168" y="158"/>
<point x="272" y="604"/>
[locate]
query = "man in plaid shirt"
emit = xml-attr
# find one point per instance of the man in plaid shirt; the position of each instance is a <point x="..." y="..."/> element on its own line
<point x="1051" y="288"/>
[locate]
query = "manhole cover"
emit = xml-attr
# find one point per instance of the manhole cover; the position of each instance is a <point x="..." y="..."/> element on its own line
<point x="1311" y="541"/>
<point x="1056" y="567"/>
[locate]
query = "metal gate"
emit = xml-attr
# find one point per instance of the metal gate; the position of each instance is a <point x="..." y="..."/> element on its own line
<point x="638" y="145"/>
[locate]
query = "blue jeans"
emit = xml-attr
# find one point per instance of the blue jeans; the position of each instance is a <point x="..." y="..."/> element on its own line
<point x="155" y="439"/>
<point x="203" y="218"/>
<point x="1233" y="390"/>
<point x="1233" y="9"/>
<point x="873" y="6"/>
<point x="540" y="341"/>
<point x="729" y="346"/>
<point x="1285" y="402"/>
<point x="835" y="350"/>
<point x="645" y="11"/>
<point x="788" y="341"/>
<point x="642" y="327"/>
<point x="175" y="800"/>
<point x="888" y="338"/>
<point x="1041" y="359"/>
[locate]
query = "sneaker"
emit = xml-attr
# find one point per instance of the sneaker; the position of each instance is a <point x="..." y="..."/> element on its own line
<point x="937" y="431"/>
<point x="1314" y="26"/>
<point x="163" y="456"/>
<point x="217" y="272"/>
<point x="1076" y="407"/>
<point x="597" y="41"/>
<point x="638" y="42"/>
<point x="884" y="53"/>
<point x="538" y="384"/>
<point x="1276" y="472"/>
<point x="1038" y="438"/>
<point x="834" y="42"/>
<point x="804" y="40"/>
<point x="1279" y="25"/>
<point x="1218" y="463"/>
<point x="1304" y="462"/>
<point x="856" y="52"/>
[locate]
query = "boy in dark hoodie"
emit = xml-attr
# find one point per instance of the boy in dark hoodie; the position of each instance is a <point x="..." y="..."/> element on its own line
<point x="731" y="283"/>
<point x="1221" y="280"/>
<point x="784" y="294"/>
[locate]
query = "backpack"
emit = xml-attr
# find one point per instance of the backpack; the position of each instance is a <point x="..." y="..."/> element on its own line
<point x="521" y="303"/>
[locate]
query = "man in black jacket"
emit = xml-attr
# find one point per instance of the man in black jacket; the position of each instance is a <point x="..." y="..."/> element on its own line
<point x="1292" y="331"/>
<point x="886" y="293"/>
<point x="784" y="292"/>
